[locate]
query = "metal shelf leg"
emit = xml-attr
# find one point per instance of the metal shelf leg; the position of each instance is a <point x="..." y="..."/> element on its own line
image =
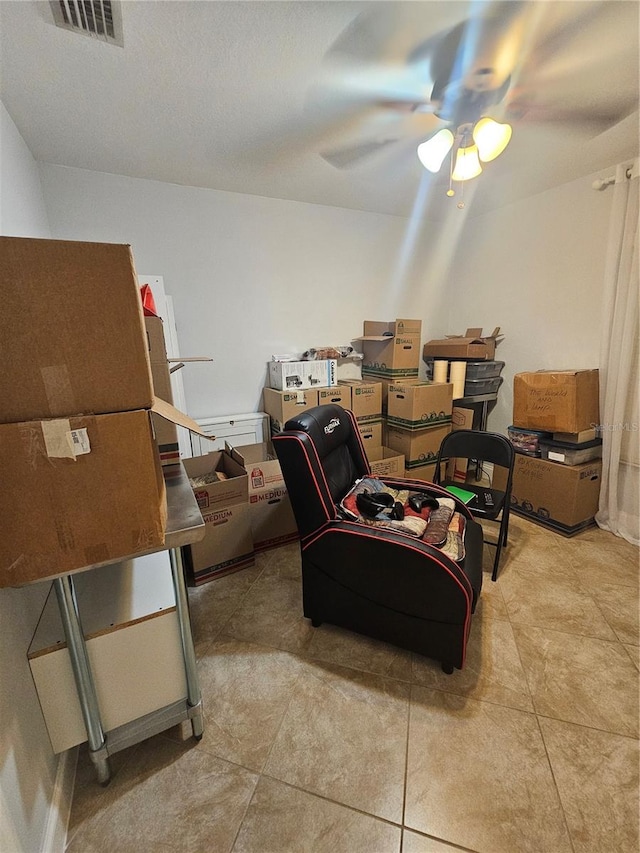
<point x="81" y="666"/>
<point x="194" y="696"/>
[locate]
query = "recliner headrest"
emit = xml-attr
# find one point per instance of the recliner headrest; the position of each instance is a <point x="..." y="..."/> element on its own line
<point x="328" y="426"/>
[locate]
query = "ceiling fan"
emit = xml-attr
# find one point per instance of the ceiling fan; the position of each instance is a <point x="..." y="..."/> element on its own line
<point x="455" y="90"/>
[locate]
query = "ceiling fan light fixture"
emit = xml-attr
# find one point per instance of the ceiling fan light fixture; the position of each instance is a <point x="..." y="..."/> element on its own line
<point x="432" y="152"/>
<point x="491" y="137"/>
<point x="467" y="165"/>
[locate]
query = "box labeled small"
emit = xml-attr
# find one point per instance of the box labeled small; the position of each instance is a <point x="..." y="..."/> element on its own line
<point x="419" y="404"/>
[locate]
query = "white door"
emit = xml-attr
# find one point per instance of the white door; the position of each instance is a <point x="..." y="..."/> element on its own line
<point x="164" y="307"/>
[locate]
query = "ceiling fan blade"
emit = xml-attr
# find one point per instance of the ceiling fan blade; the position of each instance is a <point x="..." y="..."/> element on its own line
<point x="597" y="120"/>
<point x="351" y="155"/>
<point x="480" y="52"/>
<point x="389" y="32"/>
<point x="570" y="63"/>
<point x="378" y="133"/>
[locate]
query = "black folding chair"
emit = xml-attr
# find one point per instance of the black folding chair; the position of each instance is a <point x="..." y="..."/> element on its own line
<point x="489" y="503"/>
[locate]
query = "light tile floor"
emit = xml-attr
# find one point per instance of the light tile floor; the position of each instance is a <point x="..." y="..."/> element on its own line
<point x="321" y="740"/>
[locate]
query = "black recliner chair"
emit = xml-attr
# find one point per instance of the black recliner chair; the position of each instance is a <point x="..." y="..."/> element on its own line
<point x="377" y="582"/>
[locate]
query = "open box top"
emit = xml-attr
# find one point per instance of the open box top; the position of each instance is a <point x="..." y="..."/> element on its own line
<point x="471" y="345"/>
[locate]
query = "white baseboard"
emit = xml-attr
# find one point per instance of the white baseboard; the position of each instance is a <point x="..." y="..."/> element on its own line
<point x="55" y="835"/>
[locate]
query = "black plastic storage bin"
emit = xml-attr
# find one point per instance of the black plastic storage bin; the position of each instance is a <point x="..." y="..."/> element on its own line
<point x="477" y="387"/>
<point x="476" y="370"/>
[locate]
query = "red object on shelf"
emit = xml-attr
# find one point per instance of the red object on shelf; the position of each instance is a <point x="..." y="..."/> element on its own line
<point x="148" y="302"/>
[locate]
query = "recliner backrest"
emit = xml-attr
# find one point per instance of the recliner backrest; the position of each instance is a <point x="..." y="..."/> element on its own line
<point x="321" y="456"/>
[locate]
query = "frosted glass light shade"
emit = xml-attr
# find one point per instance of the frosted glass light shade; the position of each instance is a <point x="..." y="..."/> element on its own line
<point x="467" y="164"/>
<point x="432" y="152"/>
<point x="491" y="138"/>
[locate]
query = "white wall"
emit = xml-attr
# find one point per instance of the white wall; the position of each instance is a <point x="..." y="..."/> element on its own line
<point x="253" y="276"/>
<point x="535" y="269"/>
<point x="27" y="763"/>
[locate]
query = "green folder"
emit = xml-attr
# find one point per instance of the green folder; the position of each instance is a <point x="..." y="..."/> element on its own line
<point x="463" y="494"/>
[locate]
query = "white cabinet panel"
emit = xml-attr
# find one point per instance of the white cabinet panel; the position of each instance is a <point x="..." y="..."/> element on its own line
<point x="237" y="430"/>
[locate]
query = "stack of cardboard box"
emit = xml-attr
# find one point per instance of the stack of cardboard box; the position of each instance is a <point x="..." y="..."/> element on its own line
<point x="245" y="506"/>
<point x="391" y="352"/>
<point x="419" y="416"/>
<point x="560" y="491"/>
<point x="82" y="482"/>
<point x="220" y="484"/>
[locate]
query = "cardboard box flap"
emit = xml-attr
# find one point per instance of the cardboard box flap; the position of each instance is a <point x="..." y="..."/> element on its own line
<point x="170" y="413"/>
<point x="475" y="336"/>
<point x="233" y="453"/>
<point x="376" y="330"/>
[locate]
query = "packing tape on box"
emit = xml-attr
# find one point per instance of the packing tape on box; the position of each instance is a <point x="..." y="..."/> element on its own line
<point x="58" y="388"/>
<point x="57" y="439"/>
<point x="62" y="442"/>
<point x="458" y="372"/>
<point x="440" y="370"/>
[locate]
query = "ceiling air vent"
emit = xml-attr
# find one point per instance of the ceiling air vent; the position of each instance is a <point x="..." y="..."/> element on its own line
<point x="99" y="19"/>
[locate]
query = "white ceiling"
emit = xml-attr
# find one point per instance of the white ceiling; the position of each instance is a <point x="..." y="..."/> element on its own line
<point x="225" y="95"/>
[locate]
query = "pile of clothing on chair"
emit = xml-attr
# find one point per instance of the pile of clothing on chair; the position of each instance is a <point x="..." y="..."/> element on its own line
<point x="434" y="520"/>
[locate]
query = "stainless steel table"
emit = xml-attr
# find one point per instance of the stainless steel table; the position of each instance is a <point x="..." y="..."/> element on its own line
<point x="184" y="526"/>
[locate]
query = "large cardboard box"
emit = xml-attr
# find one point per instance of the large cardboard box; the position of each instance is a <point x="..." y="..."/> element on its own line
<point x="391" y="349"/>
<point x="77" y="492"/>
<point x="228" y="544"/>
<point x="418" y="404"/>
<point x="561" y="497"/>
<point x="385" y="462"/>
<point x="365" y="400"/>
<point x="556" y="400"/>
<point x="165" y="431"/>
<point x="281" y="406"/>
<point x="272" y="519"/>
<point x="72" y="330"/>
<point x="471" y="345"/>
<point x="420" y="447"/>
<point x="290" y="375"/>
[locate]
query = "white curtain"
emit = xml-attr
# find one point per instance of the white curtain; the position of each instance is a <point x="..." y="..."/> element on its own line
<point x="619" y="509"/>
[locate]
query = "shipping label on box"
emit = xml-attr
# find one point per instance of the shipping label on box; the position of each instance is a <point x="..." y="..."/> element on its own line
<point x="419" y="447"/>
<point x="290" y="375"/>
<point x="366" y="400"/>
<point x="416" y="405"/>
<point x="281" y="406"/>
<point x="72" y="331"/>
<point x="561" y="497"/>
<point x="556" y="400"/>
